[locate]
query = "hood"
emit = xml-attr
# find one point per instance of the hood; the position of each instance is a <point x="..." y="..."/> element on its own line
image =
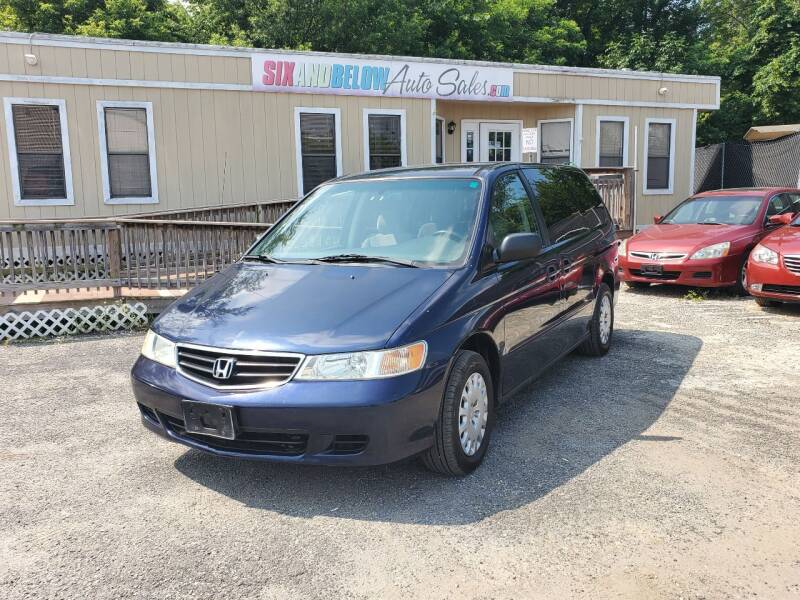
<point x="685" y="238"/>
<point x="299" y="308"/>
<point x="785" y="240"/>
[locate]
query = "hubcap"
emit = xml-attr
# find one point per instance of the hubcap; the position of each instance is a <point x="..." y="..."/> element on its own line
<point x="473" y="412"/>
<point x="605" y="319"/>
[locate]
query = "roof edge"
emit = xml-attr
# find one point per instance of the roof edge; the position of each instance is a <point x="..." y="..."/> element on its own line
<point x="44" y="39"/>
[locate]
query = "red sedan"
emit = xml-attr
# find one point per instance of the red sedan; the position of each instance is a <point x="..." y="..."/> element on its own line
<point x="773" y="271"/>
<point x="705" y="240"/>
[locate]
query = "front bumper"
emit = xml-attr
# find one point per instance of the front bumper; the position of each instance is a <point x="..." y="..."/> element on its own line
<point x="773" y="282"/>
<point x="717" y="272"/>
<point x="335" y="423"/>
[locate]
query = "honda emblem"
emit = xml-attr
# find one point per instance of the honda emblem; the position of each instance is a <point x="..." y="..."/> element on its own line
<point x="223" y="368"/>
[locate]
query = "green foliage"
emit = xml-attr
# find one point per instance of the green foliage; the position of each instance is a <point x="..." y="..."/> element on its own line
<point x="132" y="19"/>
<point x="754" y="45"/>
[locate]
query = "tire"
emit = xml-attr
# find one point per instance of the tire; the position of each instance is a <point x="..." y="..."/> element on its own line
<point x="637" y="285"/>
<point x="740" y="289"/>
<point x="448" y="455"/>
<point x="766" y="302"/>
<point x="601" y="327"/>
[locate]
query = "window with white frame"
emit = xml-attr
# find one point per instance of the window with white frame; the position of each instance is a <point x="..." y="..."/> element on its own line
<point x="38" y="143"/>
<point x="127" y="144"/>
<point x="555" y="141"/>
<point x="660" y="155"/>
<point x="384" y="138"/>
<point x="318" y="145"/>
<point x="612" y="141"/>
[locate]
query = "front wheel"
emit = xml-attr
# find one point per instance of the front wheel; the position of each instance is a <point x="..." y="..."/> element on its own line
<point x="601" y="327"/>
<point x="740" y="289"/>
<point x="462" y="431"/>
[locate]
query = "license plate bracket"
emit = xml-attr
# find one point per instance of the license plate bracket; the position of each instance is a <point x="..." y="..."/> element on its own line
<point x="652" y="269"/>
<point x="214" y="420"/>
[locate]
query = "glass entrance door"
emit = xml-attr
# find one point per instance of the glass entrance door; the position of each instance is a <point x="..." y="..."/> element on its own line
<point x="499" y="142"/>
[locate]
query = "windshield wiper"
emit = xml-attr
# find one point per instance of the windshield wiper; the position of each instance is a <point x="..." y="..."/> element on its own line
<point x="364" y="258"/>
<point x="266" y="258"/>
<point x="709" y="223"/>
<point x="262" y="258"/>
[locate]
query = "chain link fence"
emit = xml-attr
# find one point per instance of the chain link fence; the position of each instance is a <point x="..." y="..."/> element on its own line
<point x="741" y="164"/>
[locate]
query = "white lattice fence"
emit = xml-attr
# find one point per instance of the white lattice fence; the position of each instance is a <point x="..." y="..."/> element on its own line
<point x="70" y="321"/>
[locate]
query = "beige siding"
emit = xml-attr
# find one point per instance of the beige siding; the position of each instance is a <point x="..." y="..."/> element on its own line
<point x="193" y="68"/>
<point x="234" y="145"/>
<point x="123" y="64"/>
<point x="212" y="146"/>
<point x="647" y="205"/>
<point x="568" y="88"/>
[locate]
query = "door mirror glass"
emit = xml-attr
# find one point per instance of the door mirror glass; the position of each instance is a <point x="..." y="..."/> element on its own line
<point x="783" y="219"/>
<point x="519" y="246"/>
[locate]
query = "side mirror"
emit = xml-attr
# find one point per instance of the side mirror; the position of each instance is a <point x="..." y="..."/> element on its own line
<point x="519" y="246"/>
<point x="657" y="219"/>
<point x="783" y="219"/>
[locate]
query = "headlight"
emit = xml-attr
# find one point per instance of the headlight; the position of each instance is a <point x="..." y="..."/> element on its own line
<point x="365" y="365"/>
<point x="762" y="254"/>
<point x="623" y="248"/>
<point x="714" y="251"/>
<point x="159" y="349"/>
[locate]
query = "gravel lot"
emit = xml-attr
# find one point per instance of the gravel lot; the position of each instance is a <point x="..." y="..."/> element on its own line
<point x="667" y="469"/>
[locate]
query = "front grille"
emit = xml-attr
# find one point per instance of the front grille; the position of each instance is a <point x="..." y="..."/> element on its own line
<point x="702" y="275"/>
<point x="276" y="443"/>
<point x="250" y="370"/>
<point x="658" y="255"/>
<point x="663" y="276"/>
<point x="793" y="290"/>
<point x="348" y="444"/>
<point x="792" y="263"/>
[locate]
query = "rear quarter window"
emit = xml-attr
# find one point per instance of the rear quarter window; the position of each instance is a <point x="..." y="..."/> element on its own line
<point x="569" y="202"/>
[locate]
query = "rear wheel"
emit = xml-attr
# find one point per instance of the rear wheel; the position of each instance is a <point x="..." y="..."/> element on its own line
<point x="462" y="432"/>
<point x="766" y="302"/>
<point x="637" y="285"/>
<point x="601" y="327"/>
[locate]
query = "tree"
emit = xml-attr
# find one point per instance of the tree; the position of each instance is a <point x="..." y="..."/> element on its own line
<point x="754" y="45"/>
<point x="133" y="19"/>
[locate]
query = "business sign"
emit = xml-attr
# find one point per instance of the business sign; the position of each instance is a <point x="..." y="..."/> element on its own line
<point x="305" y="74"/>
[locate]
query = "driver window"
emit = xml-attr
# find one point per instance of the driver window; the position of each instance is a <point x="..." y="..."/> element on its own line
<point x="783" y="203"/>
<point x="511" y="210"/>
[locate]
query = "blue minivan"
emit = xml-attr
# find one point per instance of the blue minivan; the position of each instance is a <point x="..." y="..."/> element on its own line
<point x="386" y="315"/>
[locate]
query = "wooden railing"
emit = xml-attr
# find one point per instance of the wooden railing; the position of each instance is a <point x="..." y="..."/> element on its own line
<point x="176" y="249"/>
<point x="58" y="255"/>
<point x="259" y="212"/>
<point x="617" y="187"/>
<point x="160" y="254"/>
<point x="126" y="252"/>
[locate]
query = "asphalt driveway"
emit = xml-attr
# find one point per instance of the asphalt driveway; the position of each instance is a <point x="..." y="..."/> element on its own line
<point x="667" y="469"/>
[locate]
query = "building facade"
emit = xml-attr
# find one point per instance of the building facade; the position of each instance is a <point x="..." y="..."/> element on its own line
<point x="97" y="127"/>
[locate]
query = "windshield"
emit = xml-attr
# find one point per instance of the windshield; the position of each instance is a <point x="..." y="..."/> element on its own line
<point x="425" y="221"/>
<point x="721" y="210"/>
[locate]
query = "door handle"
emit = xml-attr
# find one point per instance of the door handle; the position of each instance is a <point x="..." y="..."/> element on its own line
<point x="552" y="273"/>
